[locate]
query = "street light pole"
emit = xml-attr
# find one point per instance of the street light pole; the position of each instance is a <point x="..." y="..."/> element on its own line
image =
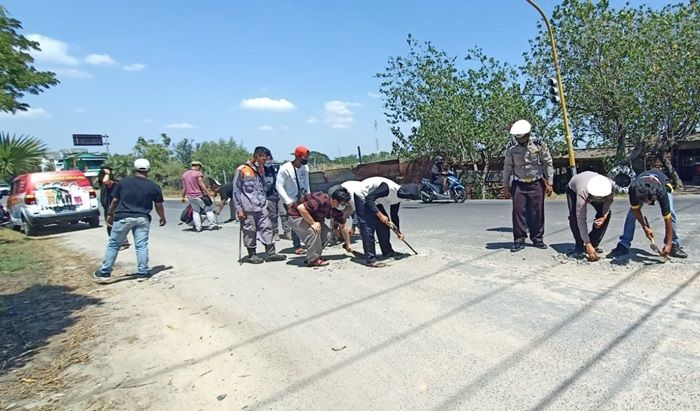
<point x="562" y="99"/>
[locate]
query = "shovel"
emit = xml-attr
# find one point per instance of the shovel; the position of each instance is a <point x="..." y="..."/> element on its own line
<point x="396" y="230"/>
<point x="653" y="245"/>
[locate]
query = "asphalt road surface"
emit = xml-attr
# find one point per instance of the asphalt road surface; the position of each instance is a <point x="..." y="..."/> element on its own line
<point x="466" y="324"/>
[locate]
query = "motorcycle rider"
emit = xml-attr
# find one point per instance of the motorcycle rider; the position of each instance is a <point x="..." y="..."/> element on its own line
<point x="439" y="175"/>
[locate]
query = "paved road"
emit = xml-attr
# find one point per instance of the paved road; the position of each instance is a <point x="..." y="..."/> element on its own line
<point x="464" y="325"/>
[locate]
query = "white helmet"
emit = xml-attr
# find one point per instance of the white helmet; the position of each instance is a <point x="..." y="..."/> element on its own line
<point x="599" y="186"/>
<point x="520" y="127"/>
<point x="141" y="164"/>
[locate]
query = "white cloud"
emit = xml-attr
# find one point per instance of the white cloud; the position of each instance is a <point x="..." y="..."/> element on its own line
<point x="100" y="60"/>
<point x="265" y="128"/>
<point x="179" y="125"/>
<point x="267" y="104"/>
<point x="312" y="120"/>
<point x="29" y="113"/>
<point x="373" y="95"/>
<point x="71" y="73"/>
<point x="337" y="114"/>
<point x="134" y="67"/>
<point x="52" y="51"/>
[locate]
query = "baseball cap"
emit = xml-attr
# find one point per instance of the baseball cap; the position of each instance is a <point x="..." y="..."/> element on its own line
<point x="196" y="163"/>
<point x="301" y="151"/>
<point x="141" y="164"/>
<point x="520" y="128"/>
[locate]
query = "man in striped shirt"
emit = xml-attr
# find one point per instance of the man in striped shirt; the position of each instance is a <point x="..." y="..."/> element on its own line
<point x="307" y="218"/>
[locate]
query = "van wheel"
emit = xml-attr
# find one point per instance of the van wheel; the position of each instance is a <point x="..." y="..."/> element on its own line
<point x="94" y="222"/>
<point x="16" y="227"/>
<point x="29" y="229"/>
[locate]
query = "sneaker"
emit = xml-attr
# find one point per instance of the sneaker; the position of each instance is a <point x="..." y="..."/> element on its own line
<point x="255" y="259"/>
<point x="100" y="276"/>
<point x="540" y="244"/>
<point x="517" y="247"/>
<point x="619" y="251"/>
<point x="276" y="237"/>
<point x="376" y="264"/>
<point x="576" y="251"/>
<point x="275" y="257"/>
<point x="198" y="230"/>
<point x="677" y="251"/>
<point x="319" y="262"/>
<point x="396" y="255"/>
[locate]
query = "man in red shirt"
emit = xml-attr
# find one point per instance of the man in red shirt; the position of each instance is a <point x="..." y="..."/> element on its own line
<point x="197" y="193"/>
<point x="307" y="218"/>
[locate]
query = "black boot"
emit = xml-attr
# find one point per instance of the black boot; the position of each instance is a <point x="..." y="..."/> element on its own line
<point x="272" y="254"/>
<point x="253" y="258"/>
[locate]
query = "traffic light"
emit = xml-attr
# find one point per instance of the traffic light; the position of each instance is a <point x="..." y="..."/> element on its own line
<point x="553" y="91"/>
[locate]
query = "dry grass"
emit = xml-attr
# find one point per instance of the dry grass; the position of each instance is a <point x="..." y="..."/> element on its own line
<point x="47" y="313"/>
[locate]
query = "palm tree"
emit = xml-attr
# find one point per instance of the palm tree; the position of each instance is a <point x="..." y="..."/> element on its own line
<point x="19" y="154"/>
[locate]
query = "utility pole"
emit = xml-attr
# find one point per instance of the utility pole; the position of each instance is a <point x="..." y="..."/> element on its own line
<point x="560" y="89"/>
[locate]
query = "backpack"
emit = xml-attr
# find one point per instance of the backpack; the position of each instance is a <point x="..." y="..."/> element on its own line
<point x="186" y="215"/>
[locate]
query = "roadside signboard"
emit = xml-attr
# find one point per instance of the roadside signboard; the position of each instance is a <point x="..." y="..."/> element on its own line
<point x="87" y="140"/>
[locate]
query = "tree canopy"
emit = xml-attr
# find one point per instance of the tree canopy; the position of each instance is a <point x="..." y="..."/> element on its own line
<point x="17" y="74"/>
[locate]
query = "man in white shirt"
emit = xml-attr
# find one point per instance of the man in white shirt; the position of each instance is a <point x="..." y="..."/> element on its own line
<point x="376" y="202"/>
<point x="292" y="183"/>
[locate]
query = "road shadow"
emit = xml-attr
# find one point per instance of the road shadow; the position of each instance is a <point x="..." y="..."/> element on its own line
<point x="501" y="229"/>
<point x="637" y="255"/>
<point x="300" y="261"/>
<point x="29" y="318"/>
<point x="499" y="245"/>
<point x="563" y="248"/>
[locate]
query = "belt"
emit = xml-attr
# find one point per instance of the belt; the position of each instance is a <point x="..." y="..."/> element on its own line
<point x="527" y="180"/>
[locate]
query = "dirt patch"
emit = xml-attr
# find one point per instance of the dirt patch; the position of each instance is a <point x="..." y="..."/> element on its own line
<point x="47" y="309"/>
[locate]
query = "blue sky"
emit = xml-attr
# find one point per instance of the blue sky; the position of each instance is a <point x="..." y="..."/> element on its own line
<point x="274" y="73"/>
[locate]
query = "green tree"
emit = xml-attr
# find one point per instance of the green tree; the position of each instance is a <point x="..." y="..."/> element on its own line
<point x="19" y="154"/>
<point x="220" y="158"/>
<point x="462" y="114"/>
<point x="158" y="153"/>
<point x="17" y="74"/>
<point x="631" y="75"/>
<point x="183" y="151"/>
<point x="122" y="164"/>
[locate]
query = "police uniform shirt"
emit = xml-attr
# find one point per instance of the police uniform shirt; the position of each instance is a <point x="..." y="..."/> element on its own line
<point x="528" y="162"/>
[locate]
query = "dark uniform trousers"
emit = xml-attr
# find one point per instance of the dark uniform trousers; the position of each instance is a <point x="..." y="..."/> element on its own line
<point x="528" y="210"/>
<point x="597" y="233"/>
<point x="369" y="224"/>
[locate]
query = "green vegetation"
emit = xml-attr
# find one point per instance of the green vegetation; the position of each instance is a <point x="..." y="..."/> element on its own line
<point x="19" y="154"/>
<point x="17" y="253"/>
<point x="17" y="75"/>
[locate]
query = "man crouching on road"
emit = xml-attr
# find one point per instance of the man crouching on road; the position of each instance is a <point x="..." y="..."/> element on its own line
<point x="584" y="188"/>
<point x="307" y="219"/>
<point x="251" y="206"/>
<point x="130" y="210"/>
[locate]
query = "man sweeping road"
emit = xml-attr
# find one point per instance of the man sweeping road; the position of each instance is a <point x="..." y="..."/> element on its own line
<point x="597" y="190"/>
<point x="377" y="202"/>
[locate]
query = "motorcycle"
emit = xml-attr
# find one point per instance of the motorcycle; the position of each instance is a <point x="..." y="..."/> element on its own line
<point x="430" y="191"/>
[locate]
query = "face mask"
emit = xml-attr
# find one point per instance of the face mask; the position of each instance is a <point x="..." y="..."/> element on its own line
<point x="304" y="161"/>
<point x="341" y="207"/>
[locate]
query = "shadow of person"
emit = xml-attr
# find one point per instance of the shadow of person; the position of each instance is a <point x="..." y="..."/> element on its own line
<point x="29" y="318"/>
<point x="499" y="245"/>
<point x="638" y="256"/>
<point x="500" y="229"/>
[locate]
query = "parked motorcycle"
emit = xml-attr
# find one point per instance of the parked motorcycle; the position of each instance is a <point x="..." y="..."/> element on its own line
<point x="430" y="191"/>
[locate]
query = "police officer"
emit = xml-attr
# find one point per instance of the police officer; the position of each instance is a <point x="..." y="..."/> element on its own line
<point x="529" y="163"/>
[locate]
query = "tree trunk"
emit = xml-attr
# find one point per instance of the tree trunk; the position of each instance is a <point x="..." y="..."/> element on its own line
<point x="484" y="175"/>
<point x="668" y="164"/>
